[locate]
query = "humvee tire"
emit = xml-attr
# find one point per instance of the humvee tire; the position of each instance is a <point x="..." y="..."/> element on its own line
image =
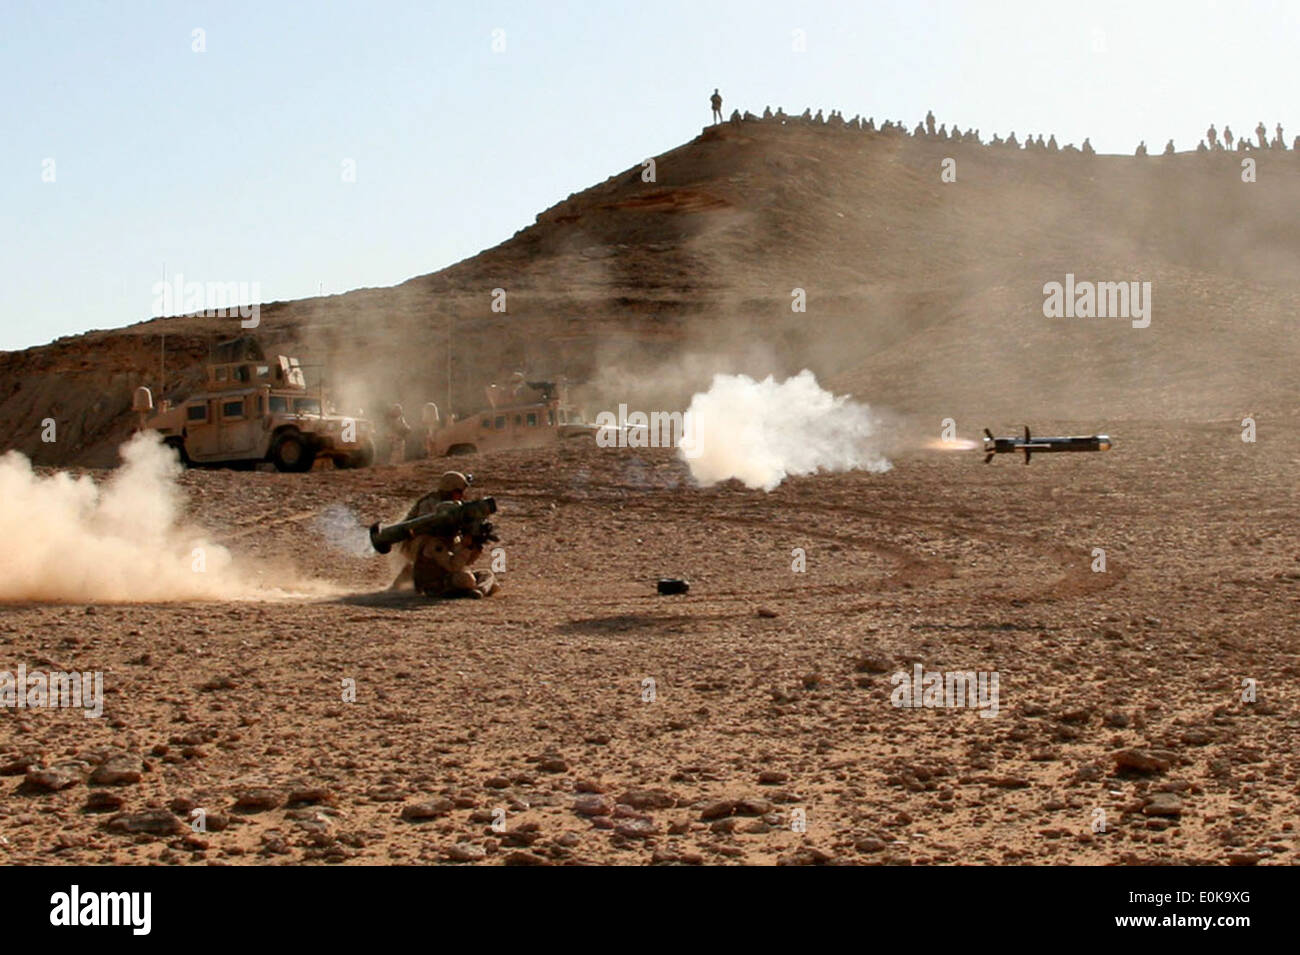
<point x="461" y="449"/>
<point x="362" y="459"/>
<point x="178" y="445"/>
<point x="291" y="452"/>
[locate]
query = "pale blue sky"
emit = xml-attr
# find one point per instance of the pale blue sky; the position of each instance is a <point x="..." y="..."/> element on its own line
<point x="226" y="165"/>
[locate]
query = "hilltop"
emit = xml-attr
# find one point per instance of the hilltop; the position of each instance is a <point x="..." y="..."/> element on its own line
<point x="923" y="296"/>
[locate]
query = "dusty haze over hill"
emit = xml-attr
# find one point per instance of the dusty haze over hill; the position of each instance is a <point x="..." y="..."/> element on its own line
<point x="923" y="297"/>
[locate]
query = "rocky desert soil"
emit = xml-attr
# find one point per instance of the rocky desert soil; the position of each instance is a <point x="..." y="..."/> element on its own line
<point x="523" y="729"/>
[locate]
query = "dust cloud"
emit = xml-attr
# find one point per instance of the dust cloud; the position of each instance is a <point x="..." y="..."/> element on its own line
<point x="70" y="539"/>
<point x="761" y="432"/>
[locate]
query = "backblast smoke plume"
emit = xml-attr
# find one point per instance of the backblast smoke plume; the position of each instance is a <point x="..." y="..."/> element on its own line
<point x="760" y="432"/>
<point x="71" y="539"/>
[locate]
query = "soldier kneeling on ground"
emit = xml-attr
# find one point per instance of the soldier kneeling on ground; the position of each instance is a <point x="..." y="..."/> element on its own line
<point x="438" y="565"/>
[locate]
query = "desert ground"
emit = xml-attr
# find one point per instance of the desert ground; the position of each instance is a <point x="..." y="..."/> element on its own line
<point x="521" y="729"/>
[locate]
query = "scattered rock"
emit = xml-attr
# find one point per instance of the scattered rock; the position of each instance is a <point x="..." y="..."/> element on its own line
<point x="719" y="809"/>
<point x="430" y="809"/>
<point x="772" y="777"/>
<point x="120" y="770"/>
<point x="466" y="852"/>
<point x="154" y="822"/>
<point x="1163" y="804"/>
<point x="593" y="804"/>
<point x="49" y="780"/>
<point x="1144" y="761"/>
<point x="101" y="800"/>
<point x="257" y="799"/>
<point x="647" y="799"/>
<point x="805" y="855"/>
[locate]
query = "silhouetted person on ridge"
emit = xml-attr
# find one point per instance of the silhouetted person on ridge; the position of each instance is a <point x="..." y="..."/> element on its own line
<point x="1262" y="135"/>
<point x="716" y="102"/>
<point x="1169" y="148"/>
<point x="1011" y="140"/>
<point x="1227" y="136"/>
<point x="870" y="124"/>
<point x="1051" y="143"/>
<point x="1281" y="143"/>
<point x="1201" y="147"/>
<point x="767" y="112"/>
<point x="1040" y="143"/>
<point x="1142" y="149"/>
<point x="929" y="122"/>
<point x="1086" y="148"/>
<point x="806" y="115"/>
<point x="1212" y="135"/>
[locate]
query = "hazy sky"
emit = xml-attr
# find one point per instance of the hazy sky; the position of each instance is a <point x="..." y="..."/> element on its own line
<point x="228" y="165"/>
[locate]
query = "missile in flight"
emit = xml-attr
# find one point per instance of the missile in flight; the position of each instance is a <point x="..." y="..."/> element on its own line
<point x="1029" y="444"/>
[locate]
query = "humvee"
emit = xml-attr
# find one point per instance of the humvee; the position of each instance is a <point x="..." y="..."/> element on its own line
<point x="253" y="410"/>
<point x="520" y="414"/>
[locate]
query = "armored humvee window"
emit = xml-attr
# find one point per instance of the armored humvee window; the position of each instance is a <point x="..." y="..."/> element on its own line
<point x="501" y="422"/>
<point x="486" y="423"/>
<point x="279" y="404"/>
<point x="197" y="412"/>
<point x="263" y="371"/>
<point x="241" y="372"/>
<point x="532" y="421"/>
<point x="232" y="409"/>
<point x="306" y="406"/>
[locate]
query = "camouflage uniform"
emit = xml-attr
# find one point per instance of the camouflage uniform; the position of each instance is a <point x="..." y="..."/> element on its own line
<point x="439" y="565"/>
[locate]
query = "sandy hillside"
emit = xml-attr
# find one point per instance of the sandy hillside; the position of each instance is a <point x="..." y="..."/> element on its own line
<point x="921" y="295"/>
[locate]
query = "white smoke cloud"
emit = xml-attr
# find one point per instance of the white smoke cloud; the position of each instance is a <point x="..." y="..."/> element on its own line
<point x="342" y="530"/>
<point x="71" y="539"/>
<point x="760" y="432"/>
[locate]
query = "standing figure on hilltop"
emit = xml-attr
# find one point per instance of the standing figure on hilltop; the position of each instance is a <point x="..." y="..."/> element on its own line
<point x="1281" y="143"/>
<point x="806" y="115"/>
<point x="1261" y="133"/>
<point x="1227" y="136"/>
<point x="1011" y="140"/>
<point x="818" y="118"/>
<point x="767" y="112"/>
<point x="1051" y="143"/>
<point x="1169" y="148"/>
<point x="716" y="102"/>
<point x="1212" y="135"/>
<point x="1142" y="149"/>
<point x="943" y="132"/>
<point x="1086" y="148"/>
<point x="929" y="122"/>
